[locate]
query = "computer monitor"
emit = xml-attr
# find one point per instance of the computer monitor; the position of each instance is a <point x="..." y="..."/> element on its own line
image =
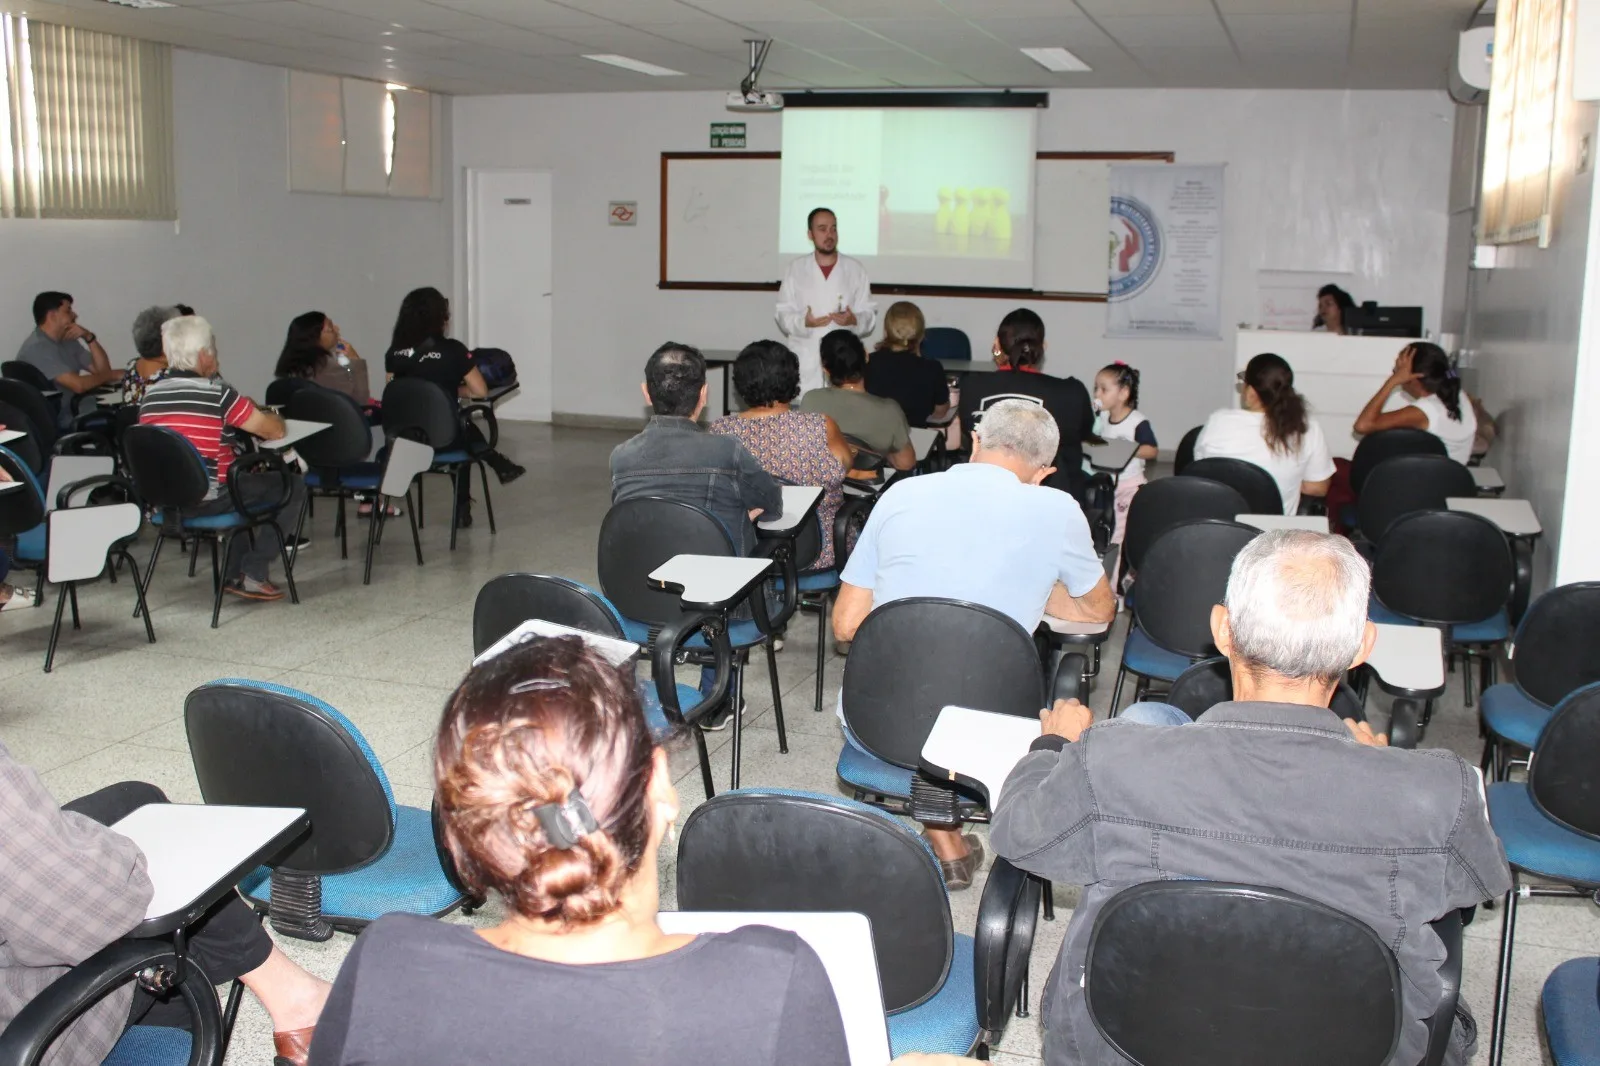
<point x="1370" y="320"/>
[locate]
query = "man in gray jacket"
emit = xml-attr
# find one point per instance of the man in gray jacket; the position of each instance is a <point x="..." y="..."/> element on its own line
<point x="1270" y="789"/>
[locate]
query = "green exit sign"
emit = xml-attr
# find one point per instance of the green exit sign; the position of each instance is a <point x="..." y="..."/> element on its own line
<point x="727" y="135"/>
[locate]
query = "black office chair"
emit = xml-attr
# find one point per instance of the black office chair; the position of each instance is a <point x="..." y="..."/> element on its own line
<point x="170" y="477"/>
<point x="1407" y="483"/>
<point x="1556" y="651"/>
<point x="1185" y="453"/>
<point x="25" y="448"/>
<point x="420" y="410"/>
<point x="912" y="657"/>
<point x="636" y="537"/>
<point x="91" y="430"/>
<point x="1260" y="492"/>
<point x="336" y="457"/>
<point x="1184" y="575"/>
<point x="818" y="586"/>
<point x="280" y="390"/>
<point x="1451" y="570"/>
<point x="1166" y="502"/>
<point x="1250" y="976"/>
<point x="1210" y="682"/>
<point x="264" y="745"/>
<point x="770" y="850"/>
<point x="946" y="342"/>
<point x="505" y="602"/>
<point x="1374" y="448"/>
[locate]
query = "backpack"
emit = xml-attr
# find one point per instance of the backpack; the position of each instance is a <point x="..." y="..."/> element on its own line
<point x="496" y="366"/>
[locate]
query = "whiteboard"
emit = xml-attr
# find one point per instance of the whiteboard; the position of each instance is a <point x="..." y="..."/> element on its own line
<point x="719" y="221"/>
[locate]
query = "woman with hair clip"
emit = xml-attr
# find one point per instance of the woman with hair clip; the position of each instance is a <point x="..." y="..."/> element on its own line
<point x="897" y="371"/>
<point x="553" y="796"/>
<point x="1435" y="401"/>
<point x="1272" y="429"/>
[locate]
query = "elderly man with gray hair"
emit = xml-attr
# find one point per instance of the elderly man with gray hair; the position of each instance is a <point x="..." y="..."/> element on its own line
<point x="986" y="532"/>
<point x="1269" y="789"/>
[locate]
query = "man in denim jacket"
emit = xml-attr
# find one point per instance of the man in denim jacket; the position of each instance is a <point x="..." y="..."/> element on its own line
<point x="1269" y="789"/>
<point x="675" y="458"/>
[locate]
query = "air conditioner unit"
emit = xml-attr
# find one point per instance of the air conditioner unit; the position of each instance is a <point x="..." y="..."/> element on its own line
<point x="1474" y="52"/>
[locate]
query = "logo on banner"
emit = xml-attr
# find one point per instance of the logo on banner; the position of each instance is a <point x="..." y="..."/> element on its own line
<point x="1135" y="247"/>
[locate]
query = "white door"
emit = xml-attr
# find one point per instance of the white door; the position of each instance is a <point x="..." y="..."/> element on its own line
<point x="508" y="280"/>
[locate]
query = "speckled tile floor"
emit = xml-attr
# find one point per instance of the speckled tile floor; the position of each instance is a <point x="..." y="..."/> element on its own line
<point x="388" y="654"/>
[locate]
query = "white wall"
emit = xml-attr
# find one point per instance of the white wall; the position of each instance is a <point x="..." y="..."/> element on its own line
<point x="246" y="253"/>
<point x="1319" y="181"/>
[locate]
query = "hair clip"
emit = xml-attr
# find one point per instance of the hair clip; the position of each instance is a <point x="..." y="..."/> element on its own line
<point x="1452" y="374"/>
<point x="1118" y="362"/>
<point x="538" y="684"/>
<point x="565" y="824"/>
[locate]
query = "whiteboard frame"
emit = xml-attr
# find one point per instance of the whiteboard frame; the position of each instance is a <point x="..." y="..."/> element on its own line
<point x="886" y="290"/>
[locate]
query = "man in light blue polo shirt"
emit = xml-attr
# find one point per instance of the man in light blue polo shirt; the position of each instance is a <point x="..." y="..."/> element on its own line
<point x="986" y="532"/>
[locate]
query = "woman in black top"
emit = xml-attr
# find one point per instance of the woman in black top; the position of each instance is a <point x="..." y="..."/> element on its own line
<point x="552" y="794"/>
<point x="896" y="368"/>
<point x="420" y="348"/>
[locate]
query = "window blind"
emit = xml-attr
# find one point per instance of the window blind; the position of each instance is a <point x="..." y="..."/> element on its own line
<point x="1520" y="135"/>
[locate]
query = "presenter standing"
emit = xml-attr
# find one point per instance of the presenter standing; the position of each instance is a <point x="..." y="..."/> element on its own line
<point x="821" y="292"/>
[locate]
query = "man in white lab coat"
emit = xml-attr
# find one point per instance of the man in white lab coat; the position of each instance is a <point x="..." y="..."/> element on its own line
<point x="821" y="292"/>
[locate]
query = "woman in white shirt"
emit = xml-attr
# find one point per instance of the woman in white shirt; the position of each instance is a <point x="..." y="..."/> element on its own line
<point x="1433" y="388"/>
<point x="1274" y="430"/>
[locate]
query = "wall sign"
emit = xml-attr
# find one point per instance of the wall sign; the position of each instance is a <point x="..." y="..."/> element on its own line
<point x="1165" y="246"/>
<point x="727" y="135"/>
<point x="623" y="212"/>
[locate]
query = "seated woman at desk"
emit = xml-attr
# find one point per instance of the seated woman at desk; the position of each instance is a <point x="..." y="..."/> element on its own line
<point x="552" y="795"/>
<point x="150" y="362"/>
<point x="1272" y="429"/>
<point x="897" y="371"/>
<point x="1435" y="401"/>
<point x="878" y="423"/>
<point x="1332" y="303"/>
<point x="313" y="349"/>
<point x="797" y="447"/>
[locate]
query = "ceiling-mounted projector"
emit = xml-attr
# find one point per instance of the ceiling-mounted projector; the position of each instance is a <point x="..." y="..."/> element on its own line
<point x="749" y="98"/>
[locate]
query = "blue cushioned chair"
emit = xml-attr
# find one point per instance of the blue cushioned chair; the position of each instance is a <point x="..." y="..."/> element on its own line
<point x="1450" y="570"/>
<point x="1183" y="575"/>
<point x="170" y="477"/>
<point x="422" y="411"/>
<point x="22" y="514"/>
<point x="1556" y="650"/>
<point x="505" y="602"/>
<point x="1550" y="826"/>
<point x="1571" y="1008"/>
<point x="258" y="744"/>
<point x="779" y="850"/>
<point x="336" y="457"/>
<point x="946" y="342"/>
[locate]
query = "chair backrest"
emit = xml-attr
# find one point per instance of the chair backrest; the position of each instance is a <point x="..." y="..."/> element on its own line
<point x="1374" y="448"/>
<point x="164" y="467"/>
<point x="1557" y="646"/>
<point x="775" y="850"/>
<point x="20" y="509"/>
<point x="280" y="390"/>
<point x="417" y="408"/>
<point x="1253" y="483"/>
<point x="1445" y="567"/>
<point x="258" y="744"/>
<point x="636" y="537"/>
<point x="1184" y="972"/>
<point x="1185" y="453"/>
<point x="17" y="370"/>
<point x="1165" y="502"/>
<point x="946" y="342"/>
<point x="1210" y="682"/>
<point x="79" y="538"/>
<point x="1561" y="777"/>
<point x="26" y="448"/>
<point x="346" y="441"/>
<point x="1406" y="483"/>
<point x="1183" y="576"/>
<point x="912" y="657"/>
<point x="31" y="402"/>
<point x="505" y="602"/>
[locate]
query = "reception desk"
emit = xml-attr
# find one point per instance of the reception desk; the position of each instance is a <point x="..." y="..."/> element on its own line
<point x="1337" y="375"/>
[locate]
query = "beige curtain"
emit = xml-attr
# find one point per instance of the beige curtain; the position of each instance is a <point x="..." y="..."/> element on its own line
<point x="88" y="124"/>
<point x="1520" y="135"/>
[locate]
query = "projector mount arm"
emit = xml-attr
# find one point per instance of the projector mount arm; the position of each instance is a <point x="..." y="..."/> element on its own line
<point x="758" y="59"/>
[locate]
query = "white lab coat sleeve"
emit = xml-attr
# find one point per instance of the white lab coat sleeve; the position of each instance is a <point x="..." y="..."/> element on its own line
<point x="791" y="312"/>
<point x="862" y="303"/>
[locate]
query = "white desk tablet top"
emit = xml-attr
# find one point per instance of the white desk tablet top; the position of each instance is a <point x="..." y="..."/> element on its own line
<point x="1486" y="477"/>
<point x="1309" y="522"/>
<point x="7" y="486"/>
<point x="1409" y="657"/>
<point x="9" y="435"/>
<point x="978" y="747"/>
<point x="710" y="580"/>
<point x="1112" y="456"/>
<point x="798" y="502"/>
<point x="615" y="650"/>
<point x="1514" y="517"/>
<point x="298" y="429"/>
<point x="843" y="941"/>
<point x="1076" y="629"/>
<point x="922" y="440"/>
<point x="190" y="848"/>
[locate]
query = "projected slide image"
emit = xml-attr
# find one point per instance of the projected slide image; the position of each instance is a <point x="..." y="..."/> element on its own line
<point x="914" y="186"/>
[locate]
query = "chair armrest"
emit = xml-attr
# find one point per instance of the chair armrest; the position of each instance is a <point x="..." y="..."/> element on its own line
<point x="253" y="462"/>
<point x="30" y="1033"/>
<point x="1068" y="683"/>
<point x="84" y="442"/>
<point x="1312" y="505"/>
<point x="1443" y="1020"/>
<point x="663" y="666"/>
<point x="848" y="510"/>
<point x="485" y="410"/>
<point x="782" y="553"/>
<point x="88" y="484"/>
<point x="1002" y="943"/>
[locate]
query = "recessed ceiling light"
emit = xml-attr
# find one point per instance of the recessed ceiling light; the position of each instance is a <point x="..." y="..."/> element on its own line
<point x="396" y="87"/>
<point x="637" y="66"/>
<point x="1057" y="59"/>
<point x="139" y="3"/>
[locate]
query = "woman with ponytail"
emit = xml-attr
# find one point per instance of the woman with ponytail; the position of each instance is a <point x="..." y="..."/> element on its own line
<point x="1435" y="401"/>
<point x="553" y="796"/>
<point x="1274" y="430"/>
